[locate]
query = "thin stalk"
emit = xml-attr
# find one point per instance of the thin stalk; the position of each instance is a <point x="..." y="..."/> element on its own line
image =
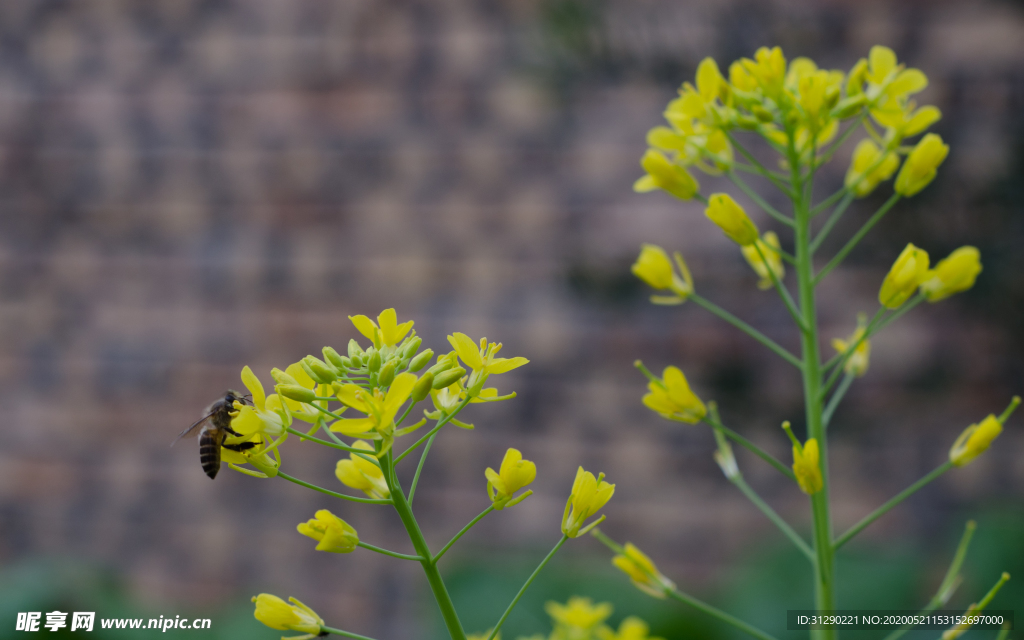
<point x="462" y="532"/>
<point x="783" y="526"/>
<point x="529" y="581"/>
<point x="825" y="157"/>
<point x="437" y="587"/>
<point x="811" y="369"/>
<point x="837" y="397"/>
<point x="753" y="448"/>
<point x="344" y="634"/>
<point x="898" y="498"/>
<point x="857" y="237"/>
<point x="393" y="554"/>
<point x="335" y="494"/>
<point x="440" y="423"/>
<point x="718" y="613"/>
<point x="747" y="329"/>
<point x="419" y="468"/>
<point x="761" y="202"/>
<point x="948" y="584"/>
<point x="765" y="173"/>
<point x="334" y="445"/>
<point x="837" y="213"/>
<point x="783" y="292"/>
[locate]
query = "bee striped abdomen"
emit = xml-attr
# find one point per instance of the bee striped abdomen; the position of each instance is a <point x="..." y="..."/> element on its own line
<point x="209" y="451"/>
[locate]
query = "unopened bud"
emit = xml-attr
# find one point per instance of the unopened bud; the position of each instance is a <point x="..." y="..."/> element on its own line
<point x="282" y="377"/>
<point x="373" y="364"/>
<point x="296" y="392"/>
<point x="443" y="364"/>
<point x="335" y="358"/>
<point x="411" y="347"/>
<point x="423" y="387"/>
<point x="849" y="107"/>
<point x="420" y="360"/>
<point x="387" y="373"/>
<point x="354" y="349"/>
<point x="319" y="370"/>
<point x="448" y="377"/>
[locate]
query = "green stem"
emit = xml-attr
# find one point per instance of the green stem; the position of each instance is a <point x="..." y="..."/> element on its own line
<point x="440" y="592"/>
<point x="419" y="468"/>
<point x="900" y="497"/>
<point x="948" y="584"/>
<point x="857" y="237"/>
<point x="440" y="423"/>
<point x="783" y="526"/>
<point x="753" y="448"/>
<point x="765" y="173"/>
<point x="333" y="445"/>
<point x="393" y="554"/>
<point x="462" y="532"/>
<point x="335" y="494"/>
<point x="529" y="581"/>
<point x="831" y="222"/>
<point x="833" y="402"/>
<point x="811" y="369"/>
<point x="783" y="292"/>
<point x="718" y="613"/>
<point x="344" y="634"/>
<point x="747" y="329"/>
<point x="761" y="202"/>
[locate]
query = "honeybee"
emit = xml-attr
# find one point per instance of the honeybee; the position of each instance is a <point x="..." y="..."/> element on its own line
<point x="214" y="428"/>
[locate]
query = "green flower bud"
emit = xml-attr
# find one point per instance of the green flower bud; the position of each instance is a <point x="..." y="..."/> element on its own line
<point x="423" y="387"/>
<point x="411" y="346"/>
<point x="296" y="392"/>
<point x="356" y="361"/>
<point x="373" y="364"/>
<point x="387" y="373"/>
<point x="335" y="358"/>
<point x="280" y="377"/>
<point x="448" y="377"/>
<point x="420" y="360"/>
<point x="762" y="114"/>
<point x="443" y="363"/>
<point x="354" y="349"/>
<point x="322" y="372"/>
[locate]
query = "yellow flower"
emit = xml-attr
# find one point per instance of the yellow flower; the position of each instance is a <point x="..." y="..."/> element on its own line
<point x="768" y="68"/>
<point x="632" y="628"/>
<point x="359" y="473"/>
<point x="635" y="564"/>
<point x="867" y="155"/>
<point x="482" y="360"/>
<point x="579" y="614"/>
<point x="904" y="277"/>
<point x="278" y="614"/>
<point x="514" y="474"/>
<point x="975" y="440"/>
<point x="731" y="218"/>
<point x="332" y="533"/>
<point x="388" y="333"/>
<point x="769" y="246"/>
<point x="663" y="174"/>
<point x="807" y="467"/>
<point x="857" y="363"/>
<point x="265" y="415"/>
<point x="589" y="494"/>
<point x="380" y="408"/>
<point x="297" y="376"/>
<point x="654" y="267"/>
<point x="921" y="165"/>
<point x="956" y="273"/>
<point x="672" y="398"/>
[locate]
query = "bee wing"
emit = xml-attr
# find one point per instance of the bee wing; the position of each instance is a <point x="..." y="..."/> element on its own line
<point x="195" y="425"/>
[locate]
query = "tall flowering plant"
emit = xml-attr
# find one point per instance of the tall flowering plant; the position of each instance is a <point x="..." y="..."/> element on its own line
<point x="803" y="115"/>
<point x="362" y="402"/>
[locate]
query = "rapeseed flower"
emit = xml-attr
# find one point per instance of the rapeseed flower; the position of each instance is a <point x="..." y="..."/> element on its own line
<point x="953" y="274"/>
<point x="331" y="532"/>
<point x="359" y="473"/>
<point x="904" y="277"/>
<point x="514" y="474"/>
<point x="588" y="495"/>
<point x="672" y="398"/>
<point x="278" y="614"/>
<point x="641" y="570"/>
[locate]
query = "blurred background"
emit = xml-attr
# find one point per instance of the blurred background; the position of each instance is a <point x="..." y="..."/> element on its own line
<point x="190" y="186"/>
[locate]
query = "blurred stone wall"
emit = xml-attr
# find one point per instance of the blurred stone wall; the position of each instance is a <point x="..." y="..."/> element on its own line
<point x="190" y="186"/>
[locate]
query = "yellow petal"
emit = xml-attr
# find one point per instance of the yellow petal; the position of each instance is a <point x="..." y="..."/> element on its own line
<point x="467" y="350"/>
